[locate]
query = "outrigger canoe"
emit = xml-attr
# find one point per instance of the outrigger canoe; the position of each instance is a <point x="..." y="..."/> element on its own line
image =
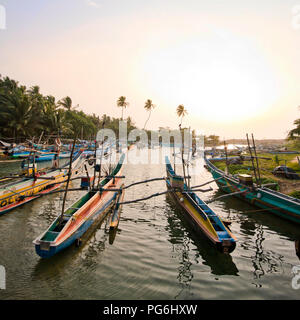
<point x="82" y="215"/>
<point x="268" y="200"/>
<point x="197" y="212"/>
<point x="15" y="194"/>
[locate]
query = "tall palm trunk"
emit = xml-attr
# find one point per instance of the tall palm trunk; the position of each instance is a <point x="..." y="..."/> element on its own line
<point x="147" y="119"/>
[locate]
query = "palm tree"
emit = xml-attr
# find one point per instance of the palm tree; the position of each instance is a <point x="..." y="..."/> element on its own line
<point x="66" y="103"/>
<point x="148" y="106"/>
<point x="181" y="112"/>
<point x="122" y="103"/>
<point x="18" y="112"/>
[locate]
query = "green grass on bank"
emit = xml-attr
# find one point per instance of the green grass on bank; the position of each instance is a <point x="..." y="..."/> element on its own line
<point x="266" y="168"/>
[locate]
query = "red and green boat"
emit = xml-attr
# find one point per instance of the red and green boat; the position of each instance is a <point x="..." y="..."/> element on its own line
<point x="242" y="187"/>
<point x="81" y="216"/>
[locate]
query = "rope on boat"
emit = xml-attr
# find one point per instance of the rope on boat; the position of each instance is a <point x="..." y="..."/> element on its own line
<point x="204" y="184"/>
<point x="120" y="190"/>
<point x="144" y="181"/>
<point x="145" y="198"/>
<point x="226" y="195"/>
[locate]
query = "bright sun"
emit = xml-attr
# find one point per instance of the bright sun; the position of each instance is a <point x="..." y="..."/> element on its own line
<point x="224" y="79"/>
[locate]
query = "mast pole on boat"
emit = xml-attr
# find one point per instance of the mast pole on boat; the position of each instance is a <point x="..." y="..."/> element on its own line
<point x="257" y="163"/>
<point x="182" y="159"/>
<point x="100" y="165"/>
<point x="88" y="176"/>
<point x="100" y="169"/>
<point x="226" y="156"/>
<point x="174" y="156"/>
<point x="68" y="181"/>
<point x="28" y="164"/>
<point x="33" y="169"/>
<point x="95" y="155"/>
<point x="254" y="168"/>
<point x="188" y="160"/>
<point x="40" y="138"/>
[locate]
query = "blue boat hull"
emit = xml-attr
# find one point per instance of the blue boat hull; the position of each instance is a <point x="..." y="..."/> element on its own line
<point x="96" y="218"/>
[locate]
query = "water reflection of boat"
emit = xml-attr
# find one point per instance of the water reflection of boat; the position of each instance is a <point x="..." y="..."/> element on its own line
<point x="249" y="218"/>
<point x="253" y="224"/>
<point x="112" y="235"/>
<point x="180" y="230"/>
<point x="297" y="247"/>
<point x="57" y="263"/>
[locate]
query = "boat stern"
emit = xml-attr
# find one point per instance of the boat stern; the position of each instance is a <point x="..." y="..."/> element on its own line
<point x="45" y="249"/>
<point x="226" y="242"/>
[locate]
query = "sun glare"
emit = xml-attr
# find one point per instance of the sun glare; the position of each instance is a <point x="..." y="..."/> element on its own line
<point x="219" y="78"/>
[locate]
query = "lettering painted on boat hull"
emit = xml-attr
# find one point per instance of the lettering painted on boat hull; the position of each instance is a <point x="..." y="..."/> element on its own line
<point x="2" y="278"/>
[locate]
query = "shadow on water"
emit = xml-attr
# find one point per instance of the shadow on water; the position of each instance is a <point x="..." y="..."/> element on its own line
<point x="249" y="217"/>
<point x="259" y="226"/>
<point x="297" y="248"/>
<point x="181" y="232"/>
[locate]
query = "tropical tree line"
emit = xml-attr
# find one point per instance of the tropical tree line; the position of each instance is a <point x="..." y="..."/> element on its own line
<point x="26" y="113"/>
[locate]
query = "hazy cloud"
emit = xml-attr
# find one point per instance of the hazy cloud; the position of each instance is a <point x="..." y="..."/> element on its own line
<point x="92" y="3"/>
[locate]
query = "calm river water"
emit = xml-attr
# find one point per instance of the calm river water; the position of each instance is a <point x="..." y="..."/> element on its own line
<point x="154" y="255"/>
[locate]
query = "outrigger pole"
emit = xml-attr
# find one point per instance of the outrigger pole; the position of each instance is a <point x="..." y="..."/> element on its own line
<point x="226" y="156"/>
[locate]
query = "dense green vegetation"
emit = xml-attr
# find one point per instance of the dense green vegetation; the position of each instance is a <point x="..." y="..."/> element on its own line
<point x="26" y="113"/>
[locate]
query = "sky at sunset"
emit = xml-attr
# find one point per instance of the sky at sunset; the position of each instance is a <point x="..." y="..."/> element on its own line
<point x="233" y="64"/>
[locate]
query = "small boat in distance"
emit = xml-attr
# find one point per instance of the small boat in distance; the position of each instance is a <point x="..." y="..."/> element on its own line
<point x="81" y="216"/>
<point x="197" y="212"/>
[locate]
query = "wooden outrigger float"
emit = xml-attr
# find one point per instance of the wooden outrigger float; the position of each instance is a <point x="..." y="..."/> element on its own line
<point x="115" y="217"/>
<point x="198" y="213"/>
<point x="82" y="215"/>
<point x="15" y="194"/>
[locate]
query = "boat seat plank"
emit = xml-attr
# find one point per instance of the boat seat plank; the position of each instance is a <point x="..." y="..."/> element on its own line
<point x="50" y="236"/>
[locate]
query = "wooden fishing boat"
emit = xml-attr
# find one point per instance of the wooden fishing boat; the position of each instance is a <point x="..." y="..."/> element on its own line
<point x="197" y="212"/>
<point x="17" y="193"/>
<point x="243" y="187"/>
<point x="81" y="216"/>
<point x="50" y="156"/>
